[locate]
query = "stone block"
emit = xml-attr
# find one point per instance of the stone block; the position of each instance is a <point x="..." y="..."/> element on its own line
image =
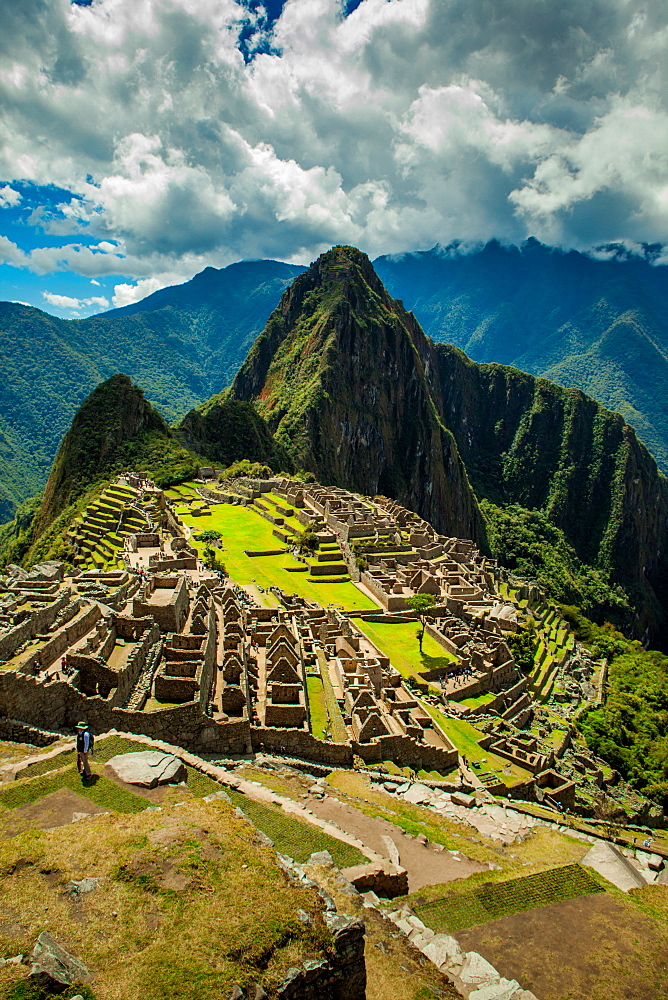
<point x="477" y="969"/>
<point x="462" y="799"/>
<point x="385" y="879"/>
<point x="504" y="989"/>
<point x="148" y="768"/>
<point x="443" y="950"/>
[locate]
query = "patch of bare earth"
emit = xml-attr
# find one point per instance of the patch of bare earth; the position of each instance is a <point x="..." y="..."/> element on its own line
<point x="425" y="864"/>
<point x="596" y="947"/>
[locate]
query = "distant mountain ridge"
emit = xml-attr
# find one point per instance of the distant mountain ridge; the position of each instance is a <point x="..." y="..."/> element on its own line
<point x="181" y="344"/>
<point x="601" y="325"/>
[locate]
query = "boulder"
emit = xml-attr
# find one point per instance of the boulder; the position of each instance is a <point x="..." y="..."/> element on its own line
<point x="53" y="967"/>
<point x="148" y="768"/>
<point x="462" y="799"/>
<point x="418" y="793"/>
<point x="504" y="989"/>
<point x="442" y="950"/>
<point x="477" y="969"/>
<point x="77" y="889"/>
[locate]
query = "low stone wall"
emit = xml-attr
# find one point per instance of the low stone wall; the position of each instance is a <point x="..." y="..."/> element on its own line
<point x="19" y="732"/>
<point x="407" y="752"/>
<point x="301" y="744"/>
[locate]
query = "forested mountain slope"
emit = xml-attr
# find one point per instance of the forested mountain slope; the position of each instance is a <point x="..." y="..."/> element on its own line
<point x="181" y="345"/>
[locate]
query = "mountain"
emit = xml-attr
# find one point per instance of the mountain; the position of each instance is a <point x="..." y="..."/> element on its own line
<point x="114" y="429"/>
<point x="181" y="344"/>
<point x="339" y="378"/>
<point x="598" y="324"/>
<point x="349" y="385"/>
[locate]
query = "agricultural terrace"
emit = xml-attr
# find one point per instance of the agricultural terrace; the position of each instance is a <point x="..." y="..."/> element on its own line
<point x="398" y="641"/>
<point x="242" y="528"/>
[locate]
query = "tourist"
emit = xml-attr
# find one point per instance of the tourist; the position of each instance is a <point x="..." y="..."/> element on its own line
<point x="84" y="748"/>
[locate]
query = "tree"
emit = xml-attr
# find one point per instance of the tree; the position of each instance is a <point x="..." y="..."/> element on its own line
<point x="421" y="604"/>
<point x="307" y="541"/>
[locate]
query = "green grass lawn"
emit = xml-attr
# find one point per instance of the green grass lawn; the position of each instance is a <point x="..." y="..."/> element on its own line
<point x="465" y="737"/>
<point x="463" y="907"/>
<point x="399" y="643"/>
<point x="478" y="700"/>
<point x="293" y="836"/>
<point x="317" y="707"/>
<point x="243" y="528"/>
<point x="102" y="791"/>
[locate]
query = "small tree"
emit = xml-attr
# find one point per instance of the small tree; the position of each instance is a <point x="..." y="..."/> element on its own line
<point x="307" y="541"/>
<point x="421" y="604"/>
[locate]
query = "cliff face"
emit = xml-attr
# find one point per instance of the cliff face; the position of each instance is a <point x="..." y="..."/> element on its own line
<point x="339" y="376"/>
<point x="525" y="440"/>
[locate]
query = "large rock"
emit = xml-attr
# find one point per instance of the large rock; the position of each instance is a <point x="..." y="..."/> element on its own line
<point x="383" y="878"/>
<point x="477" y="969"/>
<point x="504" y="989"/>
<point x="148" y="768"/>
<point x="443" y="950"/>
<point x="609" y="862"/>
<point x="53" y="967"/>
<point x="418" y="793"/>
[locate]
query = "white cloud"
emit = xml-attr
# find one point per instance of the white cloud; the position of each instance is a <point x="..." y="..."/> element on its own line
<point x="9" y="197"/>
<point x="407" y="123"/>
<point x="72" y="304"/>
<point x="125" y="294"/>
<point x="63" y="301"/>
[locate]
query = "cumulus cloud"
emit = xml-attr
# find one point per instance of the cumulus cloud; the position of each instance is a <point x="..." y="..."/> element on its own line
<point x="126" y="294"/>
<point x="73" y="304"/>
<point x="407" y="123"/>
<point x="9" y="196"/>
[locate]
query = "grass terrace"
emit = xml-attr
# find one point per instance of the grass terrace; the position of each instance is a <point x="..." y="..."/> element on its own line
<point x="244" y="529"/>
<point x="465" y="737"/>
<point x="467" y="905"/>
<point x="398" y="642"/>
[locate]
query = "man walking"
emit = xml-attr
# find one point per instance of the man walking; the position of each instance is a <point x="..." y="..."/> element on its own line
<point x="84" y="747"/>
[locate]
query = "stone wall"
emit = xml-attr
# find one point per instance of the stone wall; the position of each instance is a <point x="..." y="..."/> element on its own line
<point x="39" y="621"/>
<point x="68" y="635"/>
<point x="341" y="976"/>
<point x="299" y="743"/>
<point x="19" y="732"/>
<point x="406" y="752"/>
<point x="57" y="705"/>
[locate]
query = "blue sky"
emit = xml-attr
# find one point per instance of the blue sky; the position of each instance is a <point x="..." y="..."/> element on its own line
<point x="143" y="140"/>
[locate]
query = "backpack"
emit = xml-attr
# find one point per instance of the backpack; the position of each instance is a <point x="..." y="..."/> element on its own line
<point x="80" y="741"/>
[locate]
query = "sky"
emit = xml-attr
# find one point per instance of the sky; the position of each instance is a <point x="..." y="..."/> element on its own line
<point x="143" y="140"/>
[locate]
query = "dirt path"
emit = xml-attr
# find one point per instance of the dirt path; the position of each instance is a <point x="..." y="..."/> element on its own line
<point x="425" y="864"/>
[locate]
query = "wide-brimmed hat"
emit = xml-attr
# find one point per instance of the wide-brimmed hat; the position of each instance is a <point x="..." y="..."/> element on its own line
<point x="82" y="725"/>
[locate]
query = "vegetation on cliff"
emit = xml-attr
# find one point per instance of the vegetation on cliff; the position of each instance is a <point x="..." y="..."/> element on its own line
<point x="630" y="729"/>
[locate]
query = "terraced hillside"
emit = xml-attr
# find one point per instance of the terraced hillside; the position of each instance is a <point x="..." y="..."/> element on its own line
<point x="97" y="536"/>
